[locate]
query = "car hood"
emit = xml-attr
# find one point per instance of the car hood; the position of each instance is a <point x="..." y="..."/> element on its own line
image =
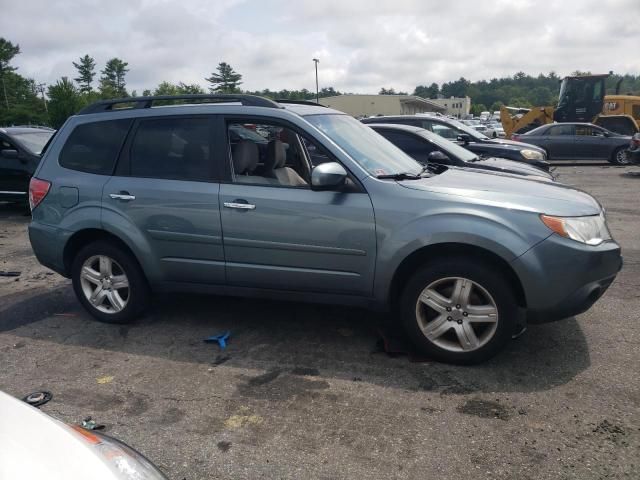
<point x="504" y="165"/>
<point x="509" y="191"/>
<point x="513" y="143"/>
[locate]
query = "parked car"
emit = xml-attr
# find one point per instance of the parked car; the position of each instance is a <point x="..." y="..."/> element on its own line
<point x="471" y="139"/>
<point x="578" y="141"/>
<point x="428" y="147"/>
<point x="146" y="199"/>
<point x="35" y="445"/>
<point x="494" y="130"/>
<point x="20" y="149"/>
<point x="633" y="153"/>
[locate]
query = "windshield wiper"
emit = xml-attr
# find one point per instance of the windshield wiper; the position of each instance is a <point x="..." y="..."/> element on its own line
<point x="401" y="176"/>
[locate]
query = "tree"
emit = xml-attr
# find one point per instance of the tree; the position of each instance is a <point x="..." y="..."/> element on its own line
<point x="227" y="80"/>
<point x="431" y="91"/>
<point x="86" y="72"/>
<point x="7" y="51"/>
<point x="385" y="91"/>
<point x="478" y="108"/>
<point x="64" y="100"/>
<point x="112" y="81"/>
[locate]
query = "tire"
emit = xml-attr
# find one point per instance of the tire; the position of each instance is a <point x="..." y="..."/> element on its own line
<point x="120" y="288"/>
<point x="448" y="324"/>
<point x="619" y="157"/>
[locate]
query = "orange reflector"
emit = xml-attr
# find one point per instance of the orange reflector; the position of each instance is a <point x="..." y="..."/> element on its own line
<point x="88" y="436"/>
<point x="555" y="224"/>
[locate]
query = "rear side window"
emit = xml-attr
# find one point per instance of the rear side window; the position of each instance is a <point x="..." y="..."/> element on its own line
<point x="94" y="147"/>
<point x="172" y="148"/>
<point x="561" y="130"/>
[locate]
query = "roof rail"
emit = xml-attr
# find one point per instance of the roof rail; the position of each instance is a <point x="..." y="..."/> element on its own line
<point x="147" y="102"/>
<point x="300" y="102"/>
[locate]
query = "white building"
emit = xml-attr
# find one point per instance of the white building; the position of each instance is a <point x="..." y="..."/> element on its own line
<point x="456" y="106"/>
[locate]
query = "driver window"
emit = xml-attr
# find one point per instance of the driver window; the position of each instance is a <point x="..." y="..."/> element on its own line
<point x="267" y="154"/>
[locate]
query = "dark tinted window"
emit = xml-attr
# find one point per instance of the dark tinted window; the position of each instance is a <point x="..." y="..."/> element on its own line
<point x="172" y="148"/>
<point x="561" y="130"/>
<point x="94" y="147"/>
<point x="405" y="142"/>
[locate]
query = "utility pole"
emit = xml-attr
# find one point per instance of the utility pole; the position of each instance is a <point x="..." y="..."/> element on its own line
<point x="40" y="88"/>
<point x="316" y="61"/>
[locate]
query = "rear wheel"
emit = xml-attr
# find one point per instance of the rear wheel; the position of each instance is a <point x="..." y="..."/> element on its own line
<point x="109" y="283"/>
<point x="459" y="310"/>
<point x="619" y="157"/>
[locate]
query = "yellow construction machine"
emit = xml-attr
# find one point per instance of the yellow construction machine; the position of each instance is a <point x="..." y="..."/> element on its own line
<point x="582" y="99"/>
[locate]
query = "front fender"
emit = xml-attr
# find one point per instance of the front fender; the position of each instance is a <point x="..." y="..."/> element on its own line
<point x="483" y="229"/>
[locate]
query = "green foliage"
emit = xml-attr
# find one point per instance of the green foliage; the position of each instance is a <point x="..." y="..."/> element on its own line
<point x="64" y="101"/>
<point x="25" y="106"/>
<point x="431" y="91"/>
<point x="112" y="81"/>
<point x="86" y="72"/>
<point x="477" y="108"/>
<point x="227" y="80"/>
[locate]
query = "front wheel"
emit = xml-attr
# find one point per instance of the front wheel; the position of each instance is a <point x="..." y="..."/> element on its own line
<point x="459" y="310"/>
<point x="619" y="157"/>
<point x="109" y="283"/>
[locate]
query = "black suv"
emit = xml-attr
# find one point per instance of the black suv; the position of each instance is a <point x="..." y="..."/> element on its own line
<point x="471" y="139"/>
<point x="20" y="149"/>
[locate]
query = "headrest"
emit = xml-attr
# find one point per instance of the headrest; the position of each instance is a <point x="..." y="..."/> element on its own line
<point x="245" y="157"/>
<point x="276" y="155"/>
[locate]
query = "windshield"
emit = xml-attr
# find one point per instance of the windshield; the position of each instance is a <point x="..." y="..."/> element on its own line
<point x="33" y="141"/>
<point x="468" y="130"/>
<point x="449" y="147"/>
<point x="372" y="151"/>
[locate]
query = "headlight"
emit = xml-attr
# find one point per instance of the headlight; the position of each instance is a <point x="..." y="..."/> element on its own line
<point x="122" y="460"/>
<point x="591" y="230"/>
<point x="532" y="154"/>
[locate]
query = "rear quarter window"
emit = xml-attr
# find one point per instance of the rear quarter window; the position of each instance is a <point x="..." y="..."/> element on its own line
<point x="94" y="147"/>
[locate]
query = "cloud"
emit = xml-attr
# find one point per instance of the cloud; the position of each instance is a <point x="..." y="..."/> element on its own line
<point x="362" y="45"/>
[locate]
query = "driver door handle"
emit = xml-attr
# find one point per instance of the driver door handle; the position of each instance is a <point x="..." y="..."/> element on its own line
<point x="126" y="196"/>
<point x="239" y="205"/>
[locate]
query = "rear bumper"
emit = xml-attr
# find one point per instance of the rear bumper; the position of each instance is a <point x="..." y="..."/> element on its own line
<point x="634" y="156"/>
<point x="562" y="278"/>
<point x="48" y="243"/>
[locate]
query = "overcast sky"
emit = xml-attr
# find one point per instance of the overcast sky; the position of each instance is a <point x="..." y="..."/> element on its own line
<point x="362" y="44"/>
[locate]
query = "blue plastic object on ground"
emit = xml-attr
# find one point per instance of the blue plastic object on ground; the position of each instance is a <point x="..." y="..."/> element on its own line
<point x="220" y="339"/>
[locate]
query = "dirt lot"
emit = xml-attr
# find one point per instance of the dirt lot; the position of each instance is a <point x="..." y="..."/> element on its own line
<point x="299" y="394"/>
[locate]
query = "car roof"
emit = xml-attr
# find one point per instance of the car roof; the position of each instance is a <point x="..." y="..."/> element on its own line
<point x="20" y="129"/>
<point x="407" y="117"/>
<point x="399" y="126"/>
<point x="307" y="109"/>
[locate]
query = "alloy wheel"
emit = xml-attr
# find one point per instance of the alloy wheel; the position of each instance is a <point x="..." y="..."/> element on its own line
<point x="104" y="284"/>
<point x="457" y="314"/>
<point x="621" y="157"/>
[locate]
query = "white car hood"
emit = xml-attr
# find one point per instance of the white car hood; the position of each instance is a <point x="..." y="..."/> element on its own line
<point x="36" y="446"/>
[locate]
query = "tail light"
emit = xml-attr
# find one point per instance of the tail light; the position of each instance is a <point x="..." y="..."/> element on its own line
<point x="515" y="137"/>
<point x="38" y="189"/>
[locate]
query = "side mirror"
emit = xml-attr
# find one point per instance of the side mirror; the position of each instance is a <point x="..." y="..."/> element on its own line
<point x="9" y="153"/>
<point x="328" y="176"/>
<point x="464" y="138"/>
<point x="438" y="157"/>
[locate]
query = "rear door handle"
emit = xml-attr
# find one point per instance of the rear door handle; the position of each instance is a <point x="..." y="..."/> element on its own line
<point x="126" y="196"/>
<point x="239" y="205"/>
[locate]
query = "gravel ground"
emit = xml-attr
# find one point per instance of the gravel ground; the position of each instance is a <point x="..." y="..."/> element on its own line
<point x="301" y="393"/>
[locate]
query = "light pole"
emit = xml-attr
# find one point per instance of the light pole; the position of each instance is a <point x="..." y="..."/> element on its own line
<point x="316" y="61"/>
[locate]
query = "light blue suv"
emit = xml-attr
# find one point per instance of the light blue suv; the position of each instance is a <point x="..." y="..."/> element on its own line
<point x="244" y="196"/>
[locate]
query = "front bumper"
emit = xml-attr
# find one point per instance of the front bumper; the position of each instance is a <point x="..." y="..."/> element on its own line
<point x="562" y="278"/>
